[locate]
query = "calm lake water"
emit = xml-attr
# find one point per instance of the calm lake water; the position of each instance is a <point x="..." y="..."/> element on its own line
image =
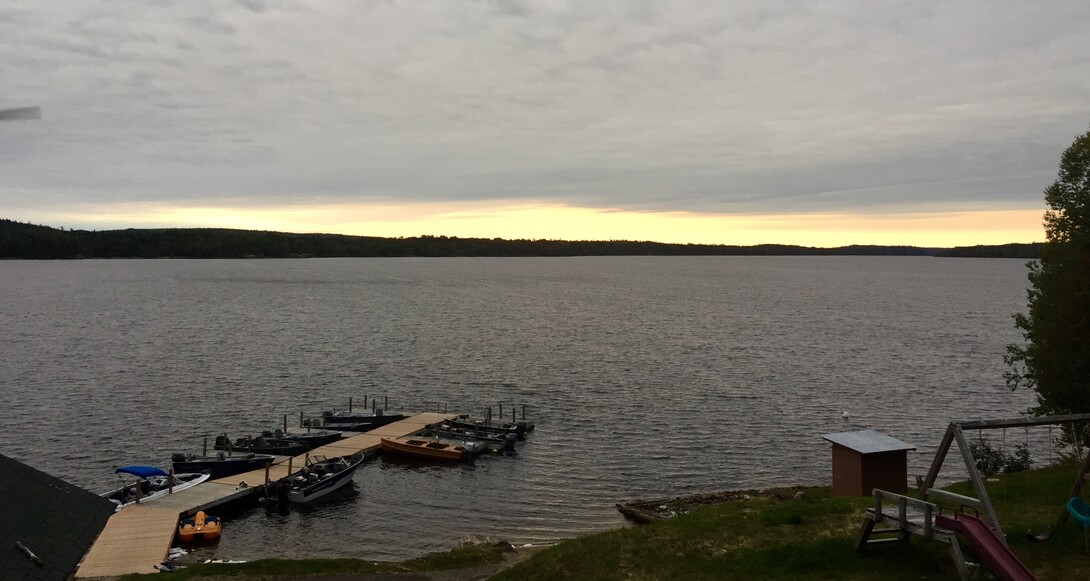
<point x="647" y="376"/>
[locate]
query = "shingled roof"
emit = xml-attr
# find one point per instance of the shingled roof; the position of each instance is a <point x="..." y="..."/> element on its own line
<point x="54" y="520"/>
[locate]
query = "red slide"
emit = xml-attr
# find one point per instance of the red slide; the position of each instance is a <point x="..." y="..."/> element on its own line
<point x="994" y="554"/>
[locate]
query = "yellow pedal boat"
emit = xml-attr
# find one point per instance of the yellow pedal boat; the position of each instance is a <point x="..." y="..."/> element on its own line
<point x="201" y="525"/>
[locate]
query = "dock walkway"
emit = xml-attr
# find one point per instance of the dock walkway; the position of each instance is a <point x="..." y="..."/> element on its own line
<point x="138" y="538"/>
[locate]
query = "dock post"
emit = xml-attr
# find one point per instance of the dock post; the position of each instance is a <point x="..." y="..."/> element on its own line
<point x="267" y="464"/>
<point x="290" y="458"/>
<point x="513" y="420"/>
<point x="285" y="423"/>
<point x="301" y="420"/>
<point x="170" y="481"/>
<point x="501" y="412"/>
<point x="374" y="403"/>
<point x="524" y="411"/>
<point x="204" y="450"/>
<point x="488" y="417"/>
<point x="386" y="402"/>
<point x="350" y="404"/>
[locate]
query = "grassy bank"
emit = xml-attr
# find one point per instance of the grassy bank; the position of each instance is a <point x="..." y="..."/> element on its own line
<point x="779" y="537"/>
<point x="773" y="535"/>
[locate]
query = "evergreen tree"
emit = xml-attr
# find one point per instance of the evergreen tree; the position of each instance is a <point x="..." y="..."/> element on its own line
<point x="1055" y="359"/>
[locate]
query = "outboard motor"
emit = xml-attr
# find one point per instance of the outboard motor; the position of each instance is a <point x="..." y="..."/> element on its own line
<point x="283" y="488"/>
<point x="509" y="442"/>
<point x="178" y="457"/>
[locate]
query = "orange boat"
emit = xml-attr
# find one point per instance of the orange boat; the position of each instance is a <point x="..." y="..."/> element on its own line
<point x="432" y="449"/>
<point x="201" y="525"/>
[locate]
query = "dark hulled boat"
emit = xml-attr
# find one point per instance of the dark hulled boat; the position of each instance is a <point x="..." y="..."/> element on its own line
<point x="311" y="440"/>
<point x="221" y="465"/>
<point x="519" y="429"/>
<point x="260" y="445"/>
<point x="358" y="421"/>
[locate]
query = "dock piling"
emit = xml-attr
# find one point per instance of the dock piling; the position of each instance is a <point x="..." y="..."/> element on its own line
<point x="204" y="449"/>
<point x="501" y="412"/>
<point x="524" y="411"/>
<point x="385" y="402"/>
<point x="350" y="404"/>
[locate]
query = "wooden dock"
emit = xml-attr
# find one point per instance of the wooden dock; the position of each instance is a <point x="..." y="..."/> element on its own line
<point x="137" y="538"/>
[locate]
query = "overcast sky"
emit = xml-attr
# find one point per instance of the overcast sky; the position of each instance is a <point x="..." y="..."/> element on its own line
<point x="711" y="108"/>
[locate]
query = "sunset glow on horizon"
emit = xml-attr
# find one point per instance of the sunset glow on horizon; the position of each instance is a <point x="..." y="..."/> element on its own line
<point x="556" y="222"/>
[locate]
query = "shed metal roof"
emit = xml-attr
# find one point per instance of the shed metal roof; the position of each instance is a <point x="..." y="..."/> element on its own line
<point x="54" y="520"/>
<point x="868" y="441"/>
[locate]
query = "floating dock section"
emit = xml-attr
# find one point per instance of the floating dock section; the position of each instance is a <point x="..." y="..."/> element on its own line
<point x="137" y="538"/>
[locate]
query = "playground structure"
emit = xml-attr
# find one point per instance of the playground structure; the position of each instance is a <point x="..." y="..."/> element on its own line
<point x="902" y="516"/>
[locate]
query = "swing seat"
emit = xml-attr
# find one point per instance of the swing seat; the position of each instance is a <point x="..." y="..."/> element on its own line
<point x="1079" y="510"/>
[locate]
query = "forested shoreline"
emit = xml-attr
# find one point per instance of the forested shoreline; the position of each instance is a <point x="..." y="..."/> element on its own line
<point x="30" y="241"/>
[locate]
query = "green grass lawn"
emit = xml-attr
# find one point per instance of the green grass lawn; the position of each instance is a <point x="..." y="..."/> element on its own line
<point x="776" y="537"/>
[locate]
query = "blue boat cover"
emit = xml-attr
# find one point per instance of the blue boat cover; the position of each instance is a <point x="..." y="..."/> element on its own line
<point x="141" y="471"/>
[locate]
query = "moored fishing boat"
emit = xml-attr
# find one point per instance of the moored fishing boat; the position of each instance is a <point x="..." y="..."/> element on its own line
<point x="500" y="442"/>
<point x="423" y="448"/>
<point x="260" y="445"/>
<point x="358" y="421"/>
<point x="151" y="483"/>
<point x="319" y="477"/>
<point x="200" y="526"/>
<point x="519" y="429"/>
<point x="221" y="465"/>
<point x="311" y="440"/>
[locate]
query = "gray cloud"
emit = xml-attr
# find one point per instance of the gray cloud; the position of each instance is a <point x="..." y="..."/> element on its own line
<point x="762" y="107"/>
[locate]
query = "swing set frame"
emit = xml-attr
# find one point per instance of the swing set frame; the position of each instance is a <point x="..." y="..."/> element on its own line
<point x="955" y="432"/>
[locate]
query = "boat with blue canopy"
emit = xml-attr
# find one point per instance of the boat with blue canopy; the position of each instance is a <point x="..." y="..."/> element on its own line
<point x="150" y="483"/>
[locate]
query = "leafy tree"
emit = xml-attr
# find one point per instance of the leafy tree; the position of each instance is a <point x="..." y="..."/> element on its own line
<point x="1055" y="359"/>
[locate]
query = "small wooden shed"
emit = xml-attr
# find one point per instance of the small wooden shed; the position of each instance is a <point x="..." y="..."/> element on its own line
<point x="868" y="459"/>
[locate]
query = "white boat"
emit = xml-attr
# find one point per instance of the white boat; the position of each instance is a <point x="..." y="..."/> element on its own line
<point x="318" y="478"/>
<point x="151" y="483"/>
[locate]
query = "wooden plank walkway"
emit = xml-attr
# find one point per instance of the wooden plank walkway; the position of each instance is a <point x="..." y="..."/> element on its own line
<point x="137" y="538"/>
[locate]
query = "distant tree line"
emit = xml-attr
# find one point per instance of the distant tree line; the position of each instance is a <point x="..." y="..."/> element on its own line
<point x="29" y="241"/>
<point x="1030" y="251"/>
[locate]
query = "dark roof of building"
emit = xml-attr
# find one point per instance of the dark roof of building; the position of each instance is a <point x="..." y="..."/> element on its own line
<point x="54" y="520"/>
<point x="868" y="442"/>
